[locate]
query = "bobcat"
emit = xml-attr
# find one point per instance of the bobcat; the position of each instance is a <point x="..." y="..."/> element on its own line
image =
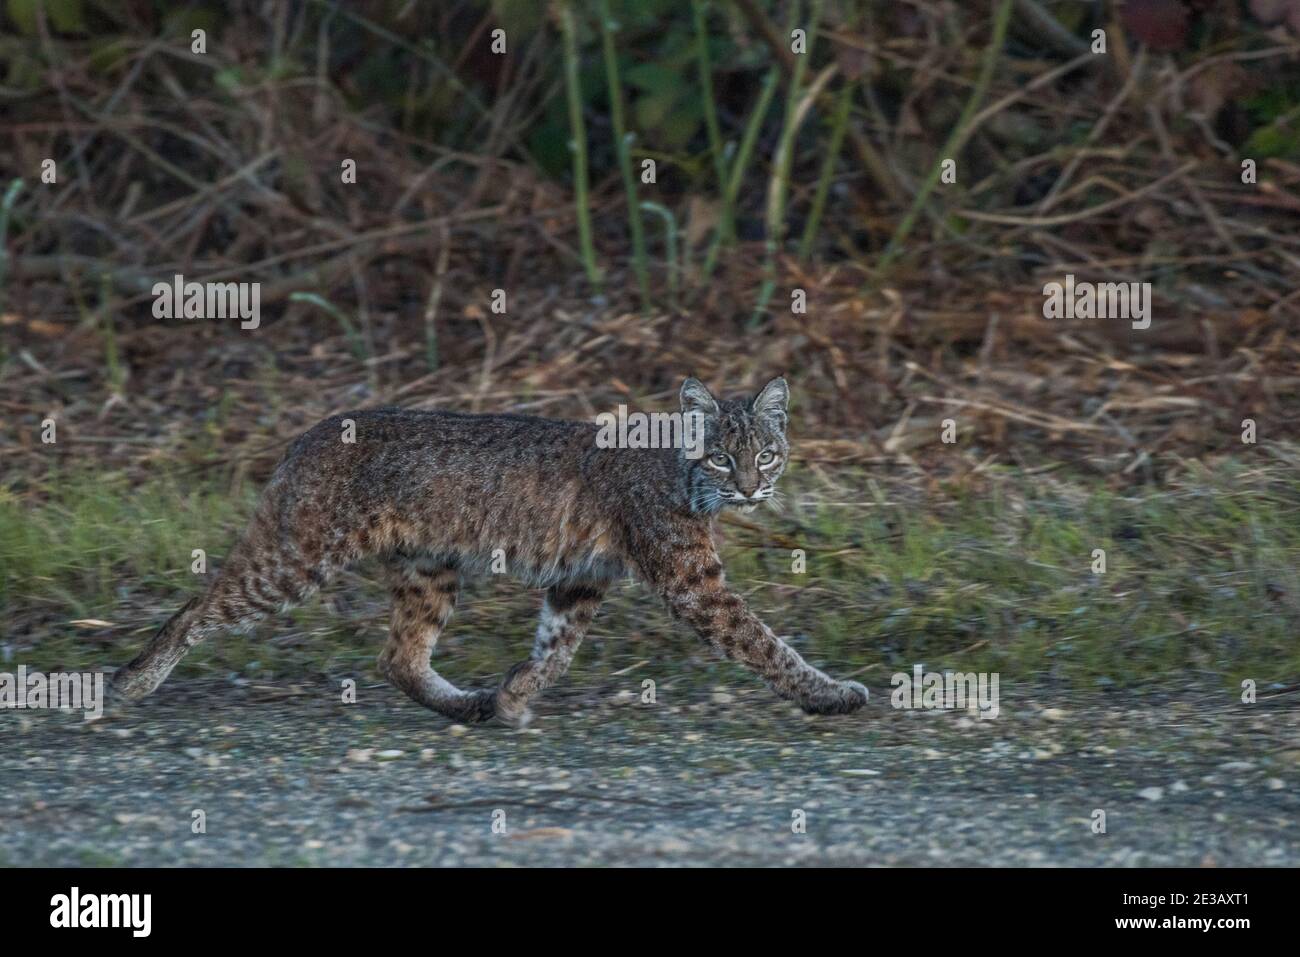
<point x="432" y="495"/>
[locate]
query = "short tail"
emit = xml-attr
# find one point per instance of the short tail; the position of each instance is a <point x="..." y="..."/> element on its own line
<point x="151" y="666"/>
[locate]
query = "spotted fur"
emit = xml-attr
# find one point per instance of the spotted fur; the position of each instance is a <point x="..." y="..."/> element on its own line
<point x="437" y="496"/>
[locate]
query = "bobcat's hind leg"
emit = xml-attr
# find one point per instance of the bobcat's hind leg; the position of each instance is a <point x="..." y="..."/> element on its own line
<point x="424" y="595"/>
<point x="257" y="580"/>
<point x="566" y="615"/>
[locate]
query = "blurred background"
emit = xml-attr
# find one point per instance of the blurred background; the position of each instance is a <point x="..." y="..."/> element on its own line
<point x="554" y="208"/>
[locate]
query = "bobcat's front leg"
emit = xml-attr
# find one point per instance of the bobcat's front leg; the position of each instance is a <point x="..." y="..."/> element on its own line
<point x="698" y="595"/>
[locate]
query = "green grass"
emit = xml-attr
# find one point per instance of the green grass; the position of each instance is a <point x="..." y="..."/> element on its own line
<point x="1201" y="582"/>
<point x="92" y="535"/>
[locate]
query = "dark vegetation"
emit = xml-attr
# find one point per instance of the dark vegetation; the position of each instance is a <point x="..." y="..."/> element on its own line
<point x="773" y="173"/>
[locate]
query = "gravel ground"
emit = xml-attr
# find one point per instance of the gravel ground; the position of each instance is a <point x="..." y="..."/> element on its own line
<point x="287" y="774"/>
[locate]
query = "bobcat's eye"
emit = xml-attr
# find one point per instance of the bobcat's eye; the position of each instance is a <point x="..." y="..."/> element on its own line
<point x="766" y="457"/>
<point x="720" y="460"/>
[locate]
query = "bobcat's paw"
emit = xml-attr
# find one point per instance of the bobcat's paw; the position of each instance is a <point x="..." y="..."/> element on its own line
<point x="126" y="686"/>
<point x="511" y="709"/>
<point x="843" y="698"/>
<point x="515" y="719"/>
<point x="114" y="701"/>
<point x="478" y="706"/>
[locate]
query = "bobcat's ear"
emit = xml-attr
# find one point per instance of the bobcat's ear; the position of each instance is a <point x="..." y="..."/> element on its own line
<point x="697" y="398"/>
<point x="771" y="402"/>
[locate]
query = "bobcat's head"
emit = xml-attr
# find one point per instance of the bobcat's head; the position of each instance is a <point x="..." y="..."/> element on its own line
<point x="745" y="449"/>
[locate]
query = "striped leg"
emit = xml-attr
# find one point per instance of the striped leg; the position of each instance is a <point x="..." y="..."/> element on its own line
<point x="566" y="616"/>
<point x="258" y="579"/>
<point x="424" y="595"/>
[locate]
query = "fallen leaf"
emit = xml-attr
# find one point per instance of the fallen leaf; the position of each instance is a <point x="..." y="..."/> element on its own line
<point x="541" y="832"/>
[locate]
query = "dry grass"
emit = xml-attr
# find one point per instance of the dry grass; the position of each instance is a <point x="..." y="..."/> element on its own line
<point x="166" y="170"/>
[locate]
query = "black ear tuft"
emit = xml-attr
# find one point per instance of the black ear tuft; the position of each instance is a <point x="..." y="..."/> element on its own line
<point x="696" y="397"/>
<point x="772" y="401"/>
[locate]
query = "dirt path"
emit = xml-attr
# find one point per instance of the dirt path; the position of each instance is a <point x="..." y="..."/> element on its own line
<point x="287" y="774"/>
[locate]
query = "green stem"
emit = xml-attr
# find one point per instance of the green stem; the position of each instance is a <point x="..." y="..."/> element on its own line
<point x="6" y="208"/>
<point x="710" y="109"/>
<point x="739" y="167"/>
<point x="785" y="160"/>
<point x="355" y="341"/>
<point x="624" y="154"/>
<point x="670" y="252"/>
<point x="957" y="138"/>
<point x="104" y="319"/>
<point x="578" y="143"/>
<point x="838" y="125"/>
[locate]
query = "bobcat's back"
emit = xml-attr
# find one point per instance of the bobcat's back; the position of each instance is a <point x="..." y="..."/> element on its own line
<point x="537" y="497"/>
